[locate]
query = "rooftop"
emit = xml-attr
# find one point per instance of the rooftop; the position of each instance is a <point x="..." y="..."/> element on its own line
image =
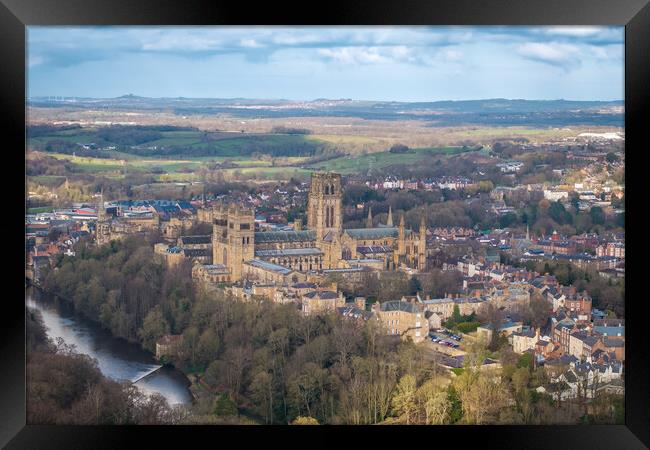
<point x="308" y="251"/>
<point x="269" y="266"/>
<point x="372" y="233"/>
<point x="398" y="305"/>
<point x="285" y="236"/>
<point x="189" y="240"/>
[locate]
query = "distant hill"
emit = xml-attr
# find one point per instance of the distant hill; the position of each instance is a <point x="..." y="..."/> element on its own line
<point x="499" y="112"/>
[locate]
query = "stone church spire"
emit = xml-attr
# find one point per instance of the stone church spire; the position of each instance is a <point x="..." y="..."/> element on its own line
<point x="389" y="221"/>
<point x="369" y="219"/>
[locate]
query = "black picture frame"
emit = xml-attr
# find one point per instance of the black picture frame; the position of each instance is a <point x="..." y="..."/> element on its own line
<point x="15" y="15"/>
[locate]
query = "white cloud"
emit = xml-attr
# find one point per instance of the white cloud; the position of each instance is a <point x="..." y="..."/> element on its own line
<point x="550" y="53"/>
<point x="35" y="60"/>
<point x="181" y="42"/>
<point x="453" y="55"/>
<point x="368" y="55"/>
<point x="249" y="43"/>
<point x="574" y="31"/>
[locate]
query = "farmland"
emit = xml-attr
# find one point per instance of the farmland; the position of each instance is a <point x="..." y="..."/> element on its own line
<point x="355" y="164"/>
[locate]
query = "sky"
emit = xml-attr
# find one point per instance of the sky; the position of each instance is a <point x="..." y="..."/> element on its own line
<point x="402" y="63"/>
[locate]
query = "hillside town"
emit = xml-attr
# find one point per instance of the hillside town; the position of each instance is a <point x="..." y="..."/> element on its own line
<point x="250" y="254"/>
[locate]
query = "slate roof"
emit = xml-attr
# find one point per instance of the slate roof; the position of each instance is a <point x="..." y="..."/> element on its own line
<point x="354" y="312"/>
<point x="610" y="331"/>
<point x="398" y="305"/>
<point x="269" y="266"/>
<point x="614" y="343"/>
<point x="570" y="376"/>
<point x="322" y="294"/>
<point x="372" y="233"/>
<point x="193" y="240"/>
<point x="374" y="249"/>
<point x="197" y="252"/>
<point x="285" y="236"/>
<point x="589" y="340"/>
<point x="308" y="251"/>
<point x="564" y="359"/>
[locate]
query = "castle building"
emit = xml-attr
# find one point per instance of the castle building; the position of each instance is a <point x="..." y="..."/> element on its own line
<point x="324" y="245"/>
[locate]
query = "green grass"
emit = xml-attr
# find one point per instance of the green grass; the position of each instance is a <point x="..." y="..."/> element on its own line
<point x="40" y="209"/>
<point x="175" y="167"/>
<point x="381" y="160"/>
<point x="48" y="180"/>
<point x="270" y="173"/>
<point x="458" y="370"/>
<point x="342" y="139"/>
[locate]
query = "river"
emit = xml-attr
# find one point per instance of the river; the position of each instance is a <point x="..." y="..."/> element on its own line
<point x="116" y="358"/>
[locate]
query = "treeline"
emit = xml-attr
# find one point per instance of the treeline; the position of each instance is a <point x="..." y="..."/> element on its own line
<point x="241" y="146"/>
<point x="267" y="362"/>
<point x="440" y="208"/>
<point x="444" y="208"/>
<point x="606" y="293"/>
<point x="118" y="285"/>
<point x="46" y="165"/>
<point x="33" y="131"/>
<point x="289" y="130"/>
<point x="384" y="286"/>
<point x="67" y="388"/>
<point x="544" y="217"/>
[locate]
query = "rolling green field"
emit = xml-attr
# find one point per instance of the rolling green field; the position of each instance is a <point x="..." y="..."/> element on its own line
<point x="187" y="169"/>
<point x="352" y="164"/>
<point x="178" y="143"/>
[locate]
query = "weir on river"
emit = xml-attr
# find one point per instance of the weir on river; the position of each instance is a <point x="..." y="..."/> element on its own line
<point x="116" y="358"/>
<point x="146" y="374"/>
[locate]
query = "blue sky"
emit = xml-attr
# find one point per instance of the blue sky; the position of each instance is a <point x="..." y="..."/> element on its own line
<point x="304" y="63"/>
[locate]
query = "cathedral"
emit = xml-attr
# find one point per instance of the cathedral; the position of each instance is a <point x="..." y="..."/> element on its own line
<point x="324" y="244"/>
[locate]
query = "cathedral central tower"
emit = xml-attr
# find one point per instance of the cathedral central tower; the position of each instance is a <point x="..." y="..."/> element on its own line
<point x="325" y="204"/>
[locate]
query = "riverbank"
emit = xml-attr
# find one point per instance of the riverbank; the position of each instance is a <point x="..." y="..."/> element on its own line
<point x="117" y="358"/>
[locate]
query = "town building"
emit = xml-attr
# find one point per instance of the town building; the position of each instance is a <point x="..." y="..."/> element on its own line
<point x="403" y="319"/>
